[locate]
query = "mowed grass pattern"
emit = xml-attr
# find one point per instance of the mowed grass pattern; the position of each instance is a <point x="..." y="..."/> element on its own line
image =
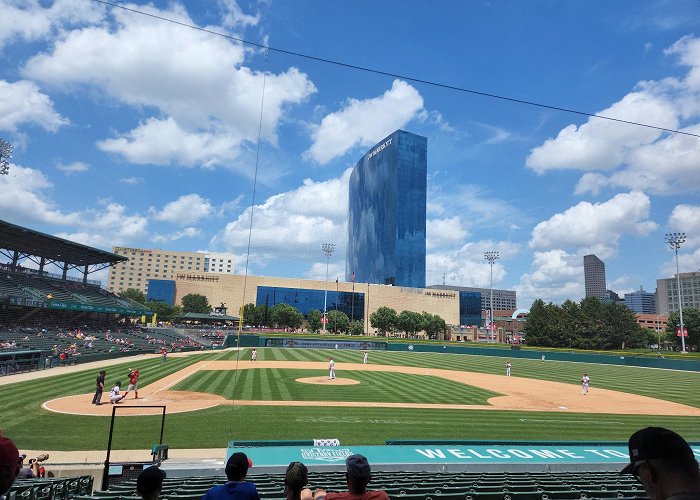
<point x="23" y="419"/>
<point x="268" y="384"/>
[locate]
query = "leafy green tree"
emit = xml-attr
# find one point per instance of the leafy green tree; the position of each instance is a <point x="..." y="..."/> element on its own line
<point x="338" y="321"/>
<point x="356" y="328"/>
<point x="195" y="303"/>
<point x="286" y="316"/>
<point x="250" y="315"/>
<point x="313" y="319"/>
<point x="434" y="326"/>
<point x="410" y="322"/>
<point x="691" y="322"/>
<point x="383" y="320"/>
<point x="133" y="294"/>
<point x="165" y="312"/>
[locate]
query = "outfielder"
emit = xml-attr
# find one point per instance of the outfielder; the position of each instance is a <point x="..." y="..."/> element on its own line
<point x="331" y="369"/>
<point x="508" y="366"/>
<point x="364" y="358"/>
<point x="254" y="355"/>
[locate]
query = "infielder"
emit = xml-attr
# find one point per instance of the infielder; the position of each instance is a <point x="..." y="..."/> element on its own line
<point x="331" y="369"/>
<point x="364" y="358"/>
<point x="254" y="355"/>
<point x="584" y="384"/>
<point x="508" y="366"/>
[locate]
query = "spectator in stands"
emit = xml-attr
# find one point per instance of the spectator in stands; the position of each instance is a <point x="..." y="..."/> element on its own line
<point x="149" y="484"/>
<point x="99" y="387"/>
<point x="664" y="463"/>
<point x="9" y="465"/>
<point x="27" y="472"/>
<point x="295" y="479"/>
<point x="236" y="488"/>
<point x="357" y="475"/>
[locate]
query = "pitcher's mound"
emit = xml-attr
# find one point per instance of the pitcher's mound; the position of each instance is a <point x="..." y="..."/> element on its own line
<point x="326" y="380"/>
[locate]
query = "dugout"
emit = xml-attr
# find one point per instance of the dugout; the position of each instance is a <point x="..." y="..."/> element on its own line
<point x="19" y="361"/>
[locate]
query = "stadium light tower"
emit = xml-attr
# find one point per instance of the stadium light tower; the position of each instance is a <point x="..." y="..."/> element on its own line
<point x="675" y="240"/>
<point x="492" y="257"/>
<point x="328" y="249"/>
<point x="5" y="155"/>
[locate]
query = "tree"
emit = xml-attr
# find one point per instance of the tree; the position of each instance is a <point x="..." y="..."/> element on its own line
<point x="133" y="294"/>
<point x="433" y="325"/>
<point x="250" y="315"/>
<point x="165" y="312"/>
<point x="286" y="316"/>
<point x="410" y="322"/>
<point x="313" y="319"/>
<point x="383" y="320"/>
<point x="195" y="303"/>
<point x="338" y="321"/>
<point x="691" y="322"/>
<point x="356" y="328"/>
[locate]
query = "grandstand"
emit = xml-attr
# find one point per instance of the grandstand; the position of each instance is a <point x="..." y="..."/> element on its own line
<point x="64" y="318"/>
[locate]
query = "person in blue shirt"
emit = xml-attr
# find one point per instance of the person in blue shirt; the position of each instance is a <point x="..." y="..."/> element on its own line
<point x="236" y="488"/>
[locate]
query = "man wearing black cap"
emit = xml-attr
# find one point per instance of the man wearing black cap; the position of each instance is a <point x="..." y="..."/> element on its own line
<point x="236" y="488"/>
<point x="149" y="484"/>
<point x="664" y="463"/>
<point x="357" y="475"/>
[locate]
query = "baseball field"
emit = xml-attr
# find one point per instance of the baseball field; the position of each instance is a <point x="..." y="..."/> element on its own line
<point x="286" y="394"/>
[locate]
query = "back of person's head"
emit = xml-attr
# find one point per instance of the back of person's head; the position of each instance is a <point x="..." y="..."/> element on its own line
<point x="296" y="477"/>
<point x="358" y="473"/>
<point x="237" y="466"/>
<point x="118" y="383"/>
<point x="666" y="448"/>
<point x="103" y="373"/>
<point x="9" y="464"/>
<point x="150" y="482"/>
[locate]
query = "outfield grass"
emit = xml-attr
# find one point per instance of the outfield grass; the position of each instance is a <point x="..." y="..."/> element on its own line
<point x="23" y="419"/>
<point x="270" y="384"/>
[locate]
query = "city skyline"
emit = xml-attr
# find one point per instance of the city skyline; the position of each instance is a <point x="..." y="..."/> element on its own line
<point x="131" y="131"/>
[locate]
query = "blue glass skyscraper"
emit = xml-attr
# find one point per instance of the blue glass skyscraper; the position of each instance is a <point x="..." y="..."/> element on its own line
<point x="386" y="220"/>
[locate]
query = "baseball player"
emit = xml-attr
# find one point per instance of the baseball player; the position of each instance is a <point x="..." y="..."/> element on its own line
<point x="508" y="367"/>
<point x="254" y="355"/>
<point x="331" y="369"/>
<point x="364" y="358"/>
<point x="584" y="384"/>
<point x="114" y="396"/>
<point x="133" y="383"/>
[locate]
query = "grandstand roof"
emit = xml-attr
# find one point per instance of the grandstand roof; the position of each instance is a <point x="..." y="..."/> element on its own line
<point x="30" y="242"/>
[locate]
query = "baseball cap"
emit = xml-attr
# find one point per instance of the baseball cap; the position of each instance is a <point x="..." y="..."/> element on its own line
<point x="9" y="455"/>
<point x="239" y="461"/>
<point x="150" y="480"/>
<point x="657" y="442"/>
<point x="357" y="466"/>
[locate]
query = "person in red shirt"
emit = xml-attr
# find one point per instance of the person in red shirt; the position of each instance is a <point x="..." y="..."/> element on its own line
<point x="358" y="475"/>
<point x="133" y="383"/>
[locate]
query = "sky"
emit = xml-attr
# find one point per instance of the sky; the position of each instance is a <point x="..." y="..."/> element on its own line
<point x="130" y="130"/>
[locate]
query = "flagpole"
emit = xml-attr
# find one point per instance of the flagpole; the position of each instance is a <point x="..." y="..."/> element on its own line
<point x="352" y="308"/>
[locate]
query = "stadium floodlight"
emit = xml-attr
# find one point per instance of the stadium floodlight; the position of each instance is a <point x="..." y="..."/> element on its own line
<point x="675" y="240"/>
<point x="328" y="249"/>
<point x="5" y="156"/>
<point x="491" y="257"/>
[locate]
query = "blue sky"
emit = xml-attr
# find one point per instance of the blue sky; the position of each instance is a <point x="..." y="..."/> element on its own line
<point x="132" y="131"/>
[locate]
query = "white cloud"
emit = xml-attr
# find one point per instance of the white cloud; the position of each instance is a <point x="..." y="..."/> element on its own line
<point x="364" y="122"/>
<point x="633" y="157"/>
<point x="111" y="225"/>
<point x="556" y="275"/>
<point x="445" y="232"/>
<point x="23" y="103"/>
<point x="132" y="180"/>
<point x="72" y="168"/>
<point x="318" y="272"/>
<point x="686" y="219"/>
<point x="294" y="223"/>
<point x="188" y="232"/>
<point x="466" y="266"/>
<point x="148" y="64"/>
<point x="185" y="211"/>
<point x="28" y="20"/>
<point x="234" y="16"/>
<point x="597" y="226"/>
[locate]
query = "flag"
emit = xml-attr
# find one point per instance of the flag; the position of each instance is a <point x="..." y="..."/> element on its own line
<point x="353" y="276"/>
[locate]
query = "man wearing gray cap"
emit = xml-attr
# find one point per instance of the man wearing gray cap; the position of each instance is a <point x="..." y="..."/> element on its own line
<point x="358" y="475"/>
<point x="664" y="463"/>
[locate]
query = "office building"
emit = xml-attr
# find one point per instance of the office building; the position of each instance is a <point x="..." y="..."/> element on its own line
<point x="667" y="298"/>
<point x="146" y="264"/>
<point x="387" y="213"/>
<point x="641" y="302"/>
<point x="502" y="299"/>
<point x="594" y="276"/>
